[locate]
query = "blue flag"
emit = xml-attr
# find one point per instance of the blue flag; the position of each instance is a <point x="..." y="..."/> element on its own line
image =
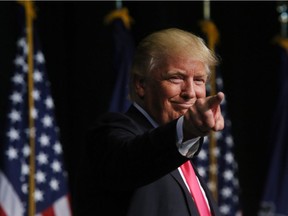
<point x="226" y="168"/>
<point x="123" y="53"/>
<point x="275" y="198"/>
<point x="51" y="196"/>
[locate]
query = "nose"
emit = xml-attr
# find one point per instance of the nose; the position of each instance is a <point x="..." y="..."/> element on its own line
<point x="188" y="90"/>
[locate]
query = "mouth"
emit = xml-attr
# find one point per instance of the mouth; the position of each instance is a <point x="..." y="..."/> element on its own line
<point x="182" y="105"/>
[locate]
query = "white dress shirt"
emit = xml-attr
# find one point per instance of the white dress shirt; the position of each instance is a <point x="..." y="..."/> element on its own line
<point x="187" y="148"/>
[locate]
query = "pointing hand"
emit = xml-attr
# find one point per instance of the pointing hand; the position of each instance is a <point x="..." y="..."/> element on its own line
<point x="204" y="116"/>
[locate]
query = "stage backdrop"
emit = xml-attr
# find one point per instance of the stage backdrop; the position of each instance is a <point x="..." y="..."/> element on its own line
<point x="78" y="47"/>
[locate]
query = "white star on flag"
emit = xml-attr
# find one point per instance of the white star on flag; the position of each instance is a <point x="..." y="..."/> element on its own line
<point x="51" y="192"/>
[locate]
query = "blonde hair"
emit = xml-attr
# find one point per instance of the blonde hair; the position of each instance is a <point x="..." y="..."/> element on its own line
<point x="169" y="42"/>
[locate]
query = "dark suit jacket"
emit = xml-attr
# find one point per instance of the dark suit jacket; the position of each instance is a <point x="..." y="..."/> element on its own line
<point x="131" y="170"/>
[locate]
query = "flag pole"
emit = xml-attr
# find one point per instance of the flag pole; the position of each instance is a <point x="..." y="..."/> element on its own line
<point x="212" y="37"/>
<point x="206" y="9"/>
<point x="282" y="8"/>
<point x="30" y="14"/>
<point x="29" y="21"/>
<point x="119" y="13"/>
<point x="118" y="4"/>
<point x="282" y="39"/>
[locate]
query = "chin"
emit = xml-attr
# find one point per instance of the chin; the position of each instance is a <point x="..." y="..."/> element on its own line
<point x="176" y="116"/>
<point x="181" y="112"/>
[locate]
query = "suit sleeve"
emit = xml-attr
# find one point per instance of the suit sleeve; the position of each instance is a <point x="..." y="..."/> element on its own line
<point x="120" y="151"/>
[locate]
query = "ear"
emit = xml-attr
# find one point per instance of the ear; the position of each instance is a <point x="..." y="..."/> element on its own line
<point x="140" y="86"/>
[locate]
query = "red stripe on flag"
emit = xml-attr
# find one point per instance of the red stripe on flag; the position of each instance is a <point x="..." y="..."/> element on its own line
<point x="48" y="212"/>
<point x="2" y="213"/>
<point x="69" y="201"/>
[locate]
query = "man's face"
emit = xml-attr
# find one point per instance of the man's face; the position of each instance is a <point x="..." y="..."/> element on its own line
<point x="172" y="88"/>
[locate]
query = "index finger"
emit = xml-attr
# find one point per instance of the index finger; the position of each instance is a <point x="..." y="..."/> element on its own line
<point x="215" y="100"/>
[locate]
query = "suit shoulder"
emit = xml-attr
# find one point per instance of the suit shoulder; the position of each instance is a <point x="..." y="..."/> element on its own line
<point x="115" y="120"/>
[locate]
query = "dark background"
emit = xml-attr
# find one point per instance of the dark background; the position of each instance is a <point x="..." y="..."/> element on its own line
<point x="78" y="50"/>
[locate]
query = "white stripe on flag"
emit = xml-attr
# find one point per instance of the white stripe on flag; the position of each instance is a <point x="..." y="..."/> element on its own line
<point x="62" y="207"/>
<point x="9" y="200"/>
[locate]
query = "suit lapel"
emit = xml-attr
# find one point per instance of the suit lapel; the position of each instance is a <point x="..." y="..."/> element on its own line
<point x="189" y="201"/>
<point x="212" y="203"/>
<point x="144" y="124"/>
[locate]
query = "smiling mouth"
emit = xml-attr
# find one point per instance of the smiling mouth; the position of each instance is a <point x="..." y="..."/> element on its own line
<point x="183" y="105"/>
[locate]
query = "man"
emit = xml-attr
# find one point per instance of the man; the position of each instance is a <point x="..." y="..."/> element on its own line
<point x="136" y="159"/>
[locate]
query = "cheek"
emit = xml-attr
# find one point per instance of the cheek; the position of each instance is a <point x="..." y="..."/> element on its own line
<point x="171" y="90"/>
<point x="160" y="98"/>
<point x="200" y="91"/>
<point x="166" y="91"/>
<point x="156" y="95"/>
<point x="170" y="93"/>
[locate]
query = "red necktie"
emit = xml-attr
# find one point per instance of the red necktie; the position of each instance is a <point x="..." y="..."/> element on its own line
<point x="195" y="190"/>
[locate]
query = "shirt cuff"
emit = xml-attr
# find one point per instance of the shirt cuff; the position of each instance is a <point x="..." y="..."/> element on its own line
<point x="189" y="147"/>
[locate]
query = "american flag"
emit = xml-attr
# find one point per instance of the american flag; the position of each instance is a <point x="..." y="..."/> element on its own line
<point x="275" y="192"/>
<point x="122" y="61"/>
<point x="226" y="184"/>
<point x="51" y="194"/>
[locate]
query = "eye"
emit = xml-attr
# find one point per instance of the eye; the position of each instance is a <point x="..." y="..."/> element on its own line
<point x="176" y="79"/>
<point x="199" y="81"/>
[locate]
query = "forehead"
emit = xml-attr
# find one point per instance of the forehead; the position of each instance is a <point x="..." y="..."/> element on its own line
<point x="184" y="63"/>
